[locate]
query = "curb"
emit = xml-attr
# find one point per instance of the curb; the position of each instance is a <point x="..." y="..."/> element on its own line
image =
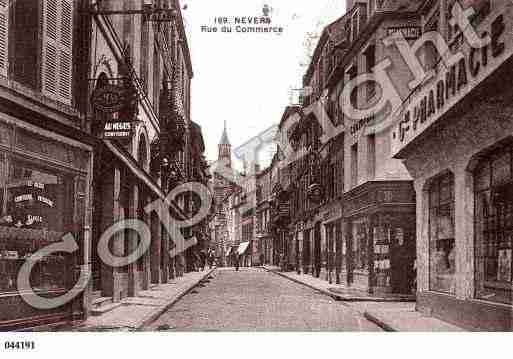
<point x="339" y="297"/>
<point x="161" y="310"/>
<point x="371" y="318"/>
<point x="332" y="295"/>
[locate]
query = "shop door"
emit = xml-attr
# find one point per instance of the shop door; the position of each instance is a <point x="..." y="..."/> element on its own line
<point x="402" y="257"/>
<point x="96" y="266"/>
<point x="317" y="249"/>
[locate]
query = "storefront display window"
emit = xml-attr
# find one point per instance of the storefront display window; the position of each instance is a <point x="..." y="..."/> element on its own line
<point x="382" y="244"/>
<point x="493" y="183"/>
<point x="442" y="266"/>
<point x="360" y="246"/>
<point x="36" y="206"/>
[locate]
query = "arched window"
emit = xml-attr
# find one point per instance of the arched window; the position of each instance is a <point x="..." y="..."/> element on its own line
<point x="493" y="187"/>
<point x="442" y="251"/>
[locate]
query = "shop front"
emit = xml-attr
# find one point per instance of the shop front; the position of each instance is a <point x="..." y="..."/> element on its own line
<point x="45" y="181"/>
<point x="462" y="163"/>
<point x="331" y="243"/>
<point x="378" y="250"/>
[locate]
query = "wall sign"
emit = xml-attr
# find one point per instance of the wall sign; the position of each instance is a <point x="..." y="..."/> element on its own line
<point x="117" y="130"/>
<point x="452" y="84"/>
<point x="408" y="32"/>
<point x="109" y="98"/>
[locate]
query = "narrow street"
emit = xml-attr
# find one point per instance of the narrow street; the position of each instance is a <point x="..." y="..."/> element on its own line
<point x="253" y="299"/>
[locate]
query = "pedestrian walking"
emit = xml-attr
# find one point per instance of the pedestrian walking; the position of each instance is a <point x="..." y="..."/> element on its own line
<point x="203" y="260"/>
<point x="236" y="260"/>
<point x="210" y="258"/>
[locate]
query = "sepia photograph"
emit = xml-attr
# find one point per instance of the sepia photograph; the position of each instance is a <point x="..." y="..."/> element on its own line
<point x="255" y="174"/>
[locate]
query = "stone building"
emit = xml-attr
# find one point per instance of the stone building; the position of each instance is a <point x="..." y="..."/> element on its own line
<point x="46" y="156"/>
<point x="379" y="201"/>
<point x="454" y="136"/>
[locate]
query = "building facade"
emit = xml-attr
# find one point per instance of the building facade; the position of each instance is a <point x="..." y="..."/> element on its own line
<point x="459" y="153"/>
<point x="153" y="62"/>
<point x="379" y="200"/>
<point x="46" y="156"/>
<point x="96" y="129"/>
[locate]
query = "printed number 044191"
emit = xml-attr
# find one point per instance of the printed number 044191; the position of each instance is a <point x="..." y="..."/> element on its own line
<point x="10" y="345"/>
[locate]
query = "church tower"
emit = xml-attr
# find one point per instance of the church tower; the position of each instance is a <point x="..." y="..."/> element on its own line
<point x="221" y="184"/>
<point x="225" y="149"/>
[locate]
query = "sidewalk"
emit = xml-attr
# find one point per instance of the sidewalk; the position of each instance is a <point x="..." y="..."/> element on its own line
<point x="339" y="291"/>
<point x="137" y="312"/>
<point x="402" y="317"/>
<point x="395" y="315"/>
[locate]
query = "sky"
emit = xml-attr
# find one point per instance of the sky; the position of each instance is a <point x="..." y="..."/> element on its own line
<point x="246" y="79"/>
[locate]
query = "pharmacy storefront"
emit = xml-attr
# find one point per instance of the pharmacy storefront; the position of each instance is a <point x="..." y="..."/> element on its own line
<point x="455" y="136"/>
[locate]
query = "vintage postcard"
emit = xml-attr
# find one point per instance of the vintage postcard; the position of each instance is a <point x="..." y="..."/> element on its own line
<point x="171" y="166"/>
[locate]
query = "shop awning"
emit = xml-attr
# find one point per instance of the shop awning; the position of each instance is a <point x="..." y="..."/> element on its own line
<point x="243" y="247"/>
<point x="141" y="175"/>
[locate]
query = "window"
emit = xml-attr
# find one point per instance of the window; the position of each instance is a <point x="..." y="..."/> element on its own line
<point x="145" y="32"/>
<point x="494" y="226"/>
<point x="156" y="79"/>
<point x="360" y="245"/>
<point x="353" y="72"/>
<point x="431" y="55"/>
<point x="371" y="155"/>
<point x="25" y="33"/>
<point x="354" y="165"/>
<point x="354" y="26"/>
<point x="371" y="7"/>
<point x="442" y="252"/>
<point x="370" y="62"/>
<point x="36" y="210"/>
<point x="57" y="49"/>
<point x="42" y="39"/>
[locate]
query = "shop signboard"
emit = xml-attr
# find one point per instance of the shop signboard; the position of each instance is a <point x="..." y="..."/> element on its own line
<point x="451" y="84"/>
<point x="109" y="98"/>
<point x="116" y="130"/>
<point x="408" y="32"/>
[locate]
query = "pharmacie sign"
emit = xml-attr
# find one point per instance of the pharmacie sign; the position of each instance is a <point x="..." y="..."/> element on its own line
<point x="450" y="85"/>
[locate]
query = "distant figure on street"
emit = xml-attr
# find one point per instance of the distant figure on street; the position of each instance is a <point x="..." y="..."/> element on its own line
<point x="203" y="260"/>
<point x="211" y="258"/>
<point x="236" y="260"/>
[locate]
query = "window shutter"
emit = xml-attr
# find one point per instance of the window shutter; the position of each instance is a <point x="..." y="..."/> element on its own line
<point x="66" y="50"/>
<point x="57" y="49"/>
<point x="4" y="28"/>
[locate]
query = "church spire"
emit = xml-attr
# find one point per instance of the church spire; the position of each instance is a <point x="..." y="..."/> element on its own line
<point x="225" y="149"/>
<point x="224" y="137"/>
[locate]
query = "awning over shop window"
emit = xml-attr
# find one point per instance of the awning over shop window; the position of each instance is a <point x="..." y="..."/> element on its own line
<point x="243" y="247"/>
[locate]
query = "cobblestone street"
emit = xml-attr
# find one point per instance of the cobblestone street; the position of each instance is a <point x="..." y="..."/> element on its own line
<point x="253" y="299"/>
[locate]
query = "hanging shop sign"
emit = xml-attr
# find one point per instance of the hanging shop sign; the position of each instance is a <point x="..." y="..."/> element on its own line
<point x="109" y="98"/>
<point x="452" y="84"/>
<point x="116" y="130"/>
